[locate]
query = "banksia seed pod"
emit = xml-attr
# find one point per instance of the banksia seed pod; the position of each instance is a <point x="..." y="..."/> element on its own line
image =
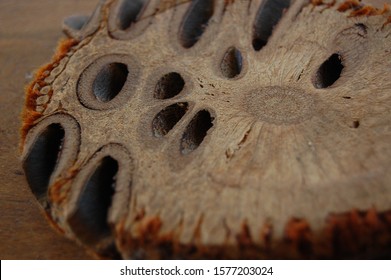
<point x="217" y="129"/>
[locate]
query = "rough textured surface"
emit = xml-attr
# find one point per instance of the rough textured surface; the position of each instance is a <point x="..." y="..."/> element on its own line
<point x="29" y="33"/>
<point x="268" y="123"/>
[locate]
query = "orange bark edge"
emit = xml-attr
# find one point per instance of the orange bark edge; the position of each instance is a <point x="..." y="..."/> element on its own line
<point x="30" y="114"/>
<point x="355" y="7"/>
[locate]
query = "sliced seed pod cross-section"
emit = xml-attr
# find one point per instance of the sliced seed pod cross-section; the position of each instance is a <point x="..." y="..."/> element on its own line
<point x="217" y="129"/>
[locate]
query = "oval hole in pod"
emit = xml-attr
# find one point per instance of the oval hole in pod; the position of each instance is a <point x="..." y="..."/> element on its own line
<point x="42" y="159"/>
<point x="196" y="131"/>
<point x="110" y="81"/>
<point x="195" y="22"/>
<point x="232" y="63"/>
<point x="167" y="118"/>
<point x="90" y="220"/>
<point x="329" y="72"/>
<point x="268" y="16"/>
<point x="128" y="12"/>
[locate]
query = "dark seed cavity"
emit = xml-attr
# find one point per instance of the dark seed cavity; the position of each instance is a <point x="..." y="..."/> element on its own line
<point x="76" y="22"/>
<point x="329" y="72"/>
<point x="196" y="131"/>
<point x="129" y="11"/>
<point x="355" y="124"/>
<point x="110" y="81"/>
<point x="169" y="86"/>
<point x="42" y="160"/>
<point x="195" y="22"/>
<point x="166" y="119"/>
<point x="90" y="220"/>
<point x="268" y="16"/>
<point x="231" y="66"/>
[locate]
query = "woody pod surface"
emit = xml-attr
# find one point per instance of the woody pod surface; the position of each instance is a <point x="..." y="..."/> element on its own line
<point x="217" y="129"/>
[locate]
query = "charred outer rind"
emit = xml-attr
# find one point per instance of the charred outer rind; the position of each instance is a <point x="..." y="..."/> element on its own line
<point x="351" y="235"/>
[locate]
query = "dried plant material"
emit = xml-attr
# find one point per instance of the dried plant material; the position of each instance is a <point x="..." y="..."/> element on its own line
<point x="217" y="129"/>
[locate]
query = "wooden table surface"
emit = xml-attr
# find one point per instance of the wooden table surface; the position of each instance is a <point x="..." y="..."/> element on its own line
<point x="29" y="31"/>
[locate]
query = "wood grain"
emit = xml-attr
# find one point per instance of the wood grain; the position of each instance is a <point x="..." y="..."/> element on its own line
<point x="29" y="32"/>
